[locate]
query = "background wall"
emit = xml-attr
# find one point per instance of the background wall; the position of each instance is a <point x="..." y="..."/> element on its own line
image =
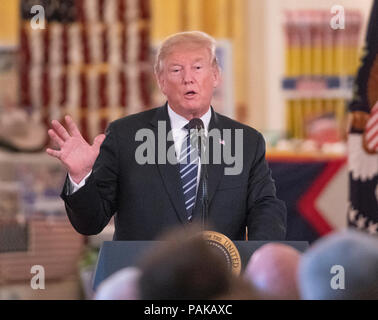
<point x="9" y="22"/>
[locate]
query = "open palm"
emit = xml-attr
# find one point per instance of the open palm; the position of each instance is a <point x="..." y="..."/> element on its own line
<point x="76" y="154"/>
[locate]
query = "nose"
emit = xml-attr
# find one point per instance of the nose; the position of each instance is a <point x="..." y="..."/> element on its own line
<point x="188" y="76"/>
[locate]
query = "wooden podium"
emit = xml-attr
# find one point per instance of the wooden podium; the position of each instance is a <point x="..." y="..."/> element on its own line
<point x="115" y="255"/>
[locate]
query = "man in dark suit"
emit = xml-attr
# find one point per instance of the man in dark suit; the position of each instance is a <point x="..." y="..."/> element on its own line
<point x="148" y="198"/>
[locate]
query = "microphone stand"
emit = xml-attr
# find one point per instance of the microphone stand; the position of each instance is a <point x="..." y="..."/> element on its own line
<point x="204" y="175"/>
<point x="199" y="128"/>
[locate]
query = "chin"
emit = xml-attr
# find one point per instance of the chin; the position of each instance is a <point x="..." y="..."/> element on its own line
<point x="193" y="109"/>
<point x="189" y="107"/>
<point x="192" y="105"/>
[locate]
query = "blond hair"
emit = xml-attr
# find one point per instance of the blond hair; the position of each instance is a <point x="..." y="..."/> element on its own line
<point x="198" y="38"/>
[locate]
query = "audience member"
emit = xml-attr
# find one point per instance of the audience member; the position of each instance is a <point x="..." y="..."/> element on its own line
<point x="240" y="289"/>
<point x="122" y="285"/>
<point x="272" y="271"/>
<point x="341" y="266"/>
<point x="184" y="267"/>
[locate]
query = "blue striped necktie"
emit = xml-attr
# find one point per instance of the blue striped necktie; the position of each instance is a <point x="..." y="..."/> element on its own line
<point x="188" y="171"/>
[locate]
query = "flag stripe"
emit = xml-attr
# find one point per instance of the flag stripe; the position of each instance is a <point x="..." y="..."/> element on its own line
<point x="101" y="40"/>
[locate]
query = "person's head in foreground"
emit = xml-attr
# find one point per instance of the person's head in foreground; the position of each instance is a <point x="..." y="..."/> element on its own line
<point x="272" y="270"/>
<point x="343" y="265"/>
<point x="187" y="267"/>
<point x="122" y="285"/>
<point x="187" y="71"/>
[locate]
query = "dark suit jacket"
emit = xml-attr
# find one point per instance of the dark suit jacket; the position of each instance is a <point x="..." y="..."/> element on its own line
<point x="148" y="199"/>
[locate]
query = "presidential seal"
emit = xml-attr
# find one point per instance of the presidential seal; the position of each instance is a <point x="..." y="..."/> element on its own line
<point x="226" y="247"/>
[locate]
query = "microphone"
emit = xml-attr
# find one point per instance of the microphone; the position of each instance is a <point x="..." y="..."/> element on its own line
<point x="196" y="123"/>
<point x="199" y="138"/>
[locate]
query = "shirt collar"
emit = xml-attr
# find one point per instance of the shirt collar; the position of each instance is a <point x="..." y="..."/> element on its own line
<point x="178" y="122"/>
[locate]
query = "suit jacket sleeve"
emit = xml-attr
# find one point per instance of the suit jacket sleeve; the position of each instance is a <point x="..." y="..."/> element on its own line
<point x="266" y="218"/>
<point x="91" y="207"/>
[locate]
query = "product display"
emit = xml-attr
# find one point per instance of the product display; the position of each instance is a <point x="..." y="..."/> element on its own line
<point x="321" y="62"/>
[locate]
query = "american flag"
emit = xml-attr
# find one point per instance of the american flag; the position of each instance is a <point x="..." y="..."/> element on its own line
<point x="91" y="61"/>
<point x="371" y="131"/>
<point x="363" y="137"/>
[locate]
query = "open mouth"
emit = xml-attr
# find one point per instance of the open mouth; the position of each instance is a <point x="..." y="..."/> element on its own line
<point x="190" y="94"/>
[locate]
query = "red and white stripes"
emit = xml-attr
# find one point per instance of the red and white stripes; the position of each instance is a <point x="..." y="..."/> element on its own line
<point x="97" y="69"/>
<point x="371" y="130"/>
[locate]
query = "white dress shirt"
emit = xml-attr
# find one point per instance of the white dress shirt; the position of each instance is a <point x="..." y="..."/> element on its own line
<point x="178" y="132"/>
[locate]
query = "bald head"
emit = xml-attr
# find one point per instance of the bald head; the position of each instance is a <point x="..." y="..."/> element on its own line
<point x="272" y="270"/>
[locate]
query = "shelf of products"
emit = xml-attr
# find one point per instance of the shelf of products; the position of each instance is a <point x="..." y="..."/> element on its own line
<point x="320" y="65"/>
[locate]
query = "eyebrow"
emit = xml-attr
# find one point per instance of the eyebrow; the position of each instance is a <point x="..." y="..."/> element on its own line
<point x="176" y="64"/>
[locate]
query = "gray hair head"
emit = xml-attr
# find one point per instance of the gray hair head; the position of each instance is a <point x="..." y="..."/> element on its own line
<point x="197" y="38"/>
<point x="340" y="266"/>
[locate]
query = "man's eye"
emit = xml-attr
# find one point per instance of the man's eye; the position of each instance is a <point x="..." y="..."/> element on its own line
<point x="198" y="67"/>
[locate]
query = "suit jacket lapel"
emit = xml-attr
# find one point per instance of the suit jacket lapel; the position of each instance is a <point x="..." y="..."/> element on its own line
<point x="169" y="172"/>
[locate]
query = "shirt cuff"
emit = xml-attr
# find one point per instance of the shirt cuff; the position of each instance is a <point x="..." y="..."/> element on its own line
<point x="76" y="186"/>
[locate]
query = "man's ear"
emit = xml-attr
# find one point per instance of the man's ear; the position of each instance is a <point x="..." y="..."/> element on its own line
<point x="160" y="80"/>
<point x="217" y="77"/>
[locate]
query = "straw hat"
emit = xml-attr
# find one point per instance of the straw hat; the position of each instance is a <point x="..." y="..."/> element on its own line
<point x="19" y="132"/>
